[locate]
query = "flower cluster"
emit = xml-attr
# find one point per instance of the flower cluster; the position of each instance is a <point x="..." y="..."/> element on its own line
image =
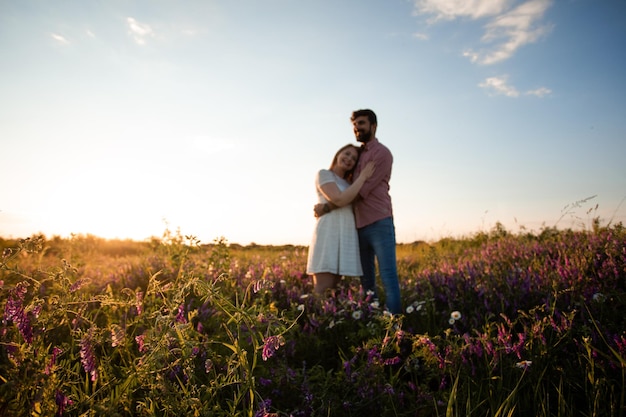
<point x="15" y="312"/>
<point x="140" y="342"/>
<point x="88" y="357"/>
<point x="454" y="317"/>
<point x="53" y="359"/>
<point x="62" y="402"/>
<point x="271" y="345"/>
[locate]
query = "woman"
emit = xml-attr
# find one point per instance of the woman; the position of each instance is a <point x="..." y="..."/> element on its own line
<point x="334" y="249"/>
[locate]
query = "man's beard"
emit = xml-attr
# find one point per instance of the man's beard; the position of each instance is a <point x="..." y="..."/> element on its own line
<point x="364" y="136"/>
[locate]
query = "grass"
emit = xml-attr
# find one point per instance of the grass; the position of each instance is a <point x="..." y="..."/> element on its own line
<point x="495" y="324"/>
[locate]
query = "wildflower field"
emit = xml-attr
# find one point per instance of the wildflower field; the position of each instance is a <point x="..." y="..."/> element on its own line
<point x="494" y="324"/>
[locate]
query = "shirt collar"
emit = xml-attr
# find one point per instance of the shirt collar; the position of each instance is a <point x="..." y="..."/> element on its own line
<point x="367" y="146"/>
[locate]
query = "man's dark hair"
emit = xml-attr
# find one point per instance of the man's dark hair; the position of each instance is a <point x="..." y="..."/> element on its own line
<point x="371" y="116"/>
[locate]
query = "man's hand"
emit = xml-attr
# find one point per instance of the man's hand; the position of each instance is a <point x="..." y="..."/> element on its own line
<point x="321" y="209"/>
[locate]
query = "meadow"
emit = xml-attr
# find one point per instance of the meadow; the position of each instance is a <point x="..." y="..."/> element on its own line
<point x="494" y="324"/>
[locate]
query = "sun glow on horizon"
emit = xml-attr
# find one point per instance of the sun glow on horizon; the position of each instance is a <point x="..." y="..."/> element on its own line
<point x="116" y="121"/>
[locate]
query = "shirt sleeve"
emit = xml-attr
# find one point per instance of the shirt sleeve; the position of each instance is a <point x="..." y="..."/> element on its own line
<point x="382" y="174"/>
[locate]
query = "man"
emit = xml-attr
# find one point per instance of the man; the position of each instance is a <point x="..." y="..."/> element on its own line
<point x="373" y="213"/>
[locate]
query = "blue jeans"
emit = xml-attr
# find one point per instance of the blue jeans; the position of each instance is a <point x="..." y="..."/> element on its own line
<point x="378" y="241"/>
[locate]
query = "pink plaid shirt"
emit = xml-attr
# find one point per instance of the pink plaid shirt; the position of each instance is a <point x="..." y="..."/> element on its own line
<point x="375" y="202"/>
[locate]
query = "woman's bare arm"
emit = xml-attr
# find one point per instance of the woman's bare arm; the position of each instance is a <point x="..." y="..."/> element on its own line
<point x="342" y="198"/>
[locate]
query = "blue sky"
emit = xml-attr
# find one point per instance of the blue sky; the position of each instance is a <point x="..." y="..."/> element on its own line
<point x="121" y="118"/>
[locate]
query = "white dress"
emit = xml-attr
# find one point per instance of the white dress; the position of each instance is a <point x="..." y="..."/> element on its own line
<point x="335" y="244"/>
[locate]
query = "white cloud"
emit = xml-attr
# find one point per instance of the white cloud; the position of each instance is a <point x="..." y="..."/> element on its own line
<point x="501" y="86"/>
<point x="139" y="31"/>
<point x="507" y="31"/>
<point x="473" y="56"/>
<point x="59" y="38"/>
<point x="451" y="9"/>
<point x="515" y="29"/>
<point x="539" y="92"/>
<point x="420" y="36"/>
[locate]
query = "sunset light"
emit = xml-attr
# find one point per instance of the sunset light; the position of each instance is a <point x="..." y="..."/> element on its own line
<point x="213" y="117"/>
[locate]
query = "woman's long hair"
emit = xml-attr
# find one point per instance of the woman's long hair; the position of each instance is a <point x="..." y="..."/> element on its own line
<point x="349" y="174"/>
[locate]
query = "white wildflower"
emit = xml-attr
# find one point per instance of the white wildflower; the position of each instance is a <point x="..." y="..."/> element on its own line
<point x="417" y="305"/>
<point x="599" y="297"/>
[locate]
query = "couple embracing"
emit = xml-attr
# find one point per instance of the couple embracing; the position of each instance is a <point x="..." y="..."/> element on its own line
<point x="355" y="226"/>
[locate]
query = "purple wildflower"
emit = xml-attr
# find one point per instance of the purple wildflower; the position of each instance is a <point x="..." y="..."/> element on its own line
<point x="62" y="401"/>
<point x="55" y="352"/>
<point x="36" y="311"/>
<point x="180" y="317"/>
<point x="373" y="356"/>
<point x="347" y="367"/>
<point x="504" y="337"/>
<point x="14" y="307"/>
<point x="139" y="302"/>
<point x="425" y="340"/>
<point x="140" y="342"/>
<point x="87" y="356"/>
<point x="392" y="361"/>
<point x="78" y="284"/>
<point x="13" y="352"/>
<point x="177" y="373"/>
<point x="264" y="409"/>
<point x="265" y="382"/>
<point x="14" y="311"/>
<point x="400" y="334"/>
<point x="25" y="328"/>
<point x="271" y="345"/>
<point x="517" y="348"/>
<point x="78" y="318"/>
<point x="537" y="332"/>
